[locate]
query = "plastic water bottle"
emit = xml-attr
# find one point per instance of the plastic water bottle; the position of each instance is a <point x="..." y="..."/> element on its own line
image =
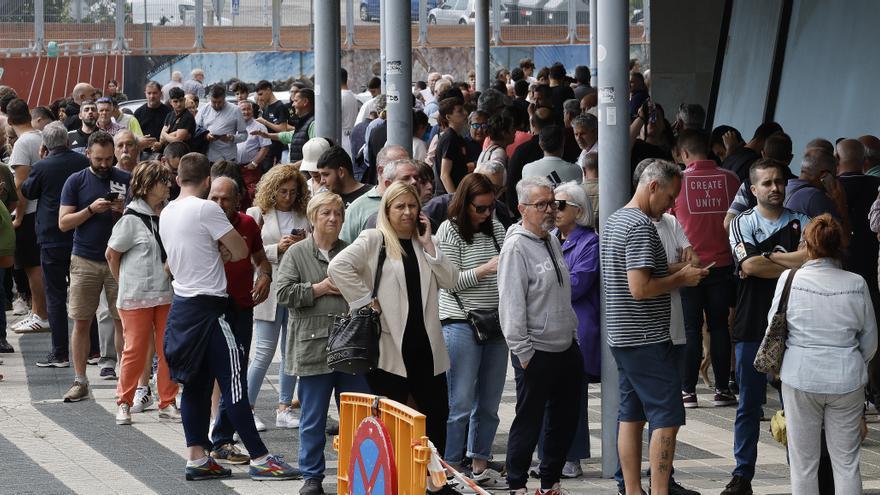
<point x="52" y="49"/>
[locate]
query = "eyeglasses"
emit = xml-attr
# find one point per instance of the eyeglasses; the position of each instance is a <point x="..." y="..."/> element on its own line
<point x="543" y="205"/>
<point x="479" y="126"/>
<point x="483" y="208"/>
<point x="561" y="204"/>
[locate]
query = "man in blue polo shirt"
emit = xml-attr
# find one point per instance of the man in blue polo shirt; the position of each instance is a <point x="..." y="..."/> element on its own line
<point x="91" y="202"/>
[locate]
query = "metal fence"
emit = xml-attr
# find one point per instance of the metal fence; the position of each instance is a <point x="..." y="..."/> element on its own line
<point x="49" y="27"/>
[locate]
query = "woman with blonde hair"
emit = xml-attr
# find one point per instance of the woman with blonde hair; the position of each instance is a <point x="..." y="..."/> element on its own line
<point x="280" y="211"/>
<point x="412" y="354"/>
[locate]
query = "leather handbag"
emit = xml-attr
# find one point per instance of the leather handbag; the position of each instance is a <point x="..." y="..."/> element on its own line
<point x="485" y="323"/>
<point x="772" y="349"/>
<point x="353" y="344"/>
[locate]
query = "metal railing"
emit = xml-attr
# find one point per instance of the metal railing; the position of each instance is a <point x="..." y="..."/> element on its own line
<point x="40" y="27"/>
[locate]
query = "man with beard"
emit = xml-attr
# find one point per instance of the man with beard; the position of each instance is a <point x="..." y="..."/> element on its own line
<point x="766" y="240"/>
<point x="91" y="202"/>
<point x="126" y="150"/>
<point x="152" y="114"/>
<point x="180" y="125"/>
<point x="105" y="117"/>
<point x="199" y="344"/>
<point x="78" y="139"/>
<point x="81" y="92"/>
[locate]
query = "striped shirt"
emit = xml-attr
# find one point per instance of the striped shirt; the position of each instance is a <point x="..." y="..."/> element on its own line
<point x="474" y="294"/>
<point x="629" y="242"/>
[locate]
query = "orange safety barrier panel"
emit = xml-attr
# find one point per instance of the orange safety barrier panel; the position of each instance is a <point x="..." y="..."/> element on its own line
<point x="405" y="426"/>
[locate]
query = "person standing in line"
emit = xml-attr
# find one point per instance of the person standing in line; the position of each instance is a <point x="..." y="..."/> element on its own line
<point x="136" y="258"/>
<point x="637" y="280"/>
<point x="832" y="336"/>
<point x="472" y="239"/>
<point x="314" y="302"/>
<point x="540" y="327"/>
<point x="765" y="241"/>
<point x="91" y="203"/>
<point x="280" y="211"/>
<point x="199" y="344"/>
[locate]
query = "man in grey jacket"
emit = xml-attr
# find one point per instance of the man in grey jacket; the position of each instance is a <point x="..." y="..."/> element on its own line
<point x="539" y="325"/>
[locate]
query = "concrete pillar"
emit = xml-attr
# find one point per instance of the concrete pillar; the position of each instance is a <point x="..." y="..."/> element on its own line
<point x="398" y="73"/>
<point x="593" y="28"/>
<point x="327" y="58"/>
<point x="119" y="44"/>
<point x="39" y="26"/>
<point x="614" y="155"/>
<point x="481" y="43"/>
<point x="423" y="22"/>
<point x="383" y="41"/>
<point x="199" y="23"/>
<point x="349" y="23"/>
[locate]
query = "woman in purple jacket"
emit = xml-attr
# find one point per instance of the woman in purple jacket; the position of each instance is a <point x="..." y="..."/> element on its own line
<point x="580" y="247"/>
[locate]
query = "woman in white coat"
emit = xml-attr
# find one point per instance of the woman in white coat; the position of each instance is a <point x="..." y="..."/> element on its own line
<point x="280" y="211"/>
<point x="412" y="353"/>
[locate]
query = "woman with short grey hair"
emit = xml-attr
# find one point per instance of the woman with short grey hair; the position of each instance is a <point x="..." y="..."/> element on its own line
<point x="580" y="247"/>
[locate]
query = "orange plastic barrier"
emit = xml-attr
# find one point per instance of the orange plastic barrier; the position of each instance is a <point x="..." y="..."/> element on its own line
<point x="406" y="427"/>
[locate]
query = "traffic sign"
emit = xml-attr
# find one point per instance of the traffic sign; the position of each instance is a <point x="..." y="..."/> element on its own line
<point x="371" y="468"/>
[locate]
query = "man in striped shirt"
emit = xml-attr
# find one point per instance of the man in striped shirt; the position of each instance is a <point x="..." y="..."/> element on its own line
<point x="637" y="283"/>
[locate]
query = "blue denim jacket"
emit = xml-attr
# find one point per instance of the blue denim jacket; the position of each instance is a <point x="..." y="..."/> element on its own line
<point x="832" y="331"/>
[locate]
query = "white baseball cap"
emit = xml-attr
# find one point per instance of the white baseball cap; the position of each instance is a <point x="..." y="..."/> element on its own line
<point x="312" y="150"/>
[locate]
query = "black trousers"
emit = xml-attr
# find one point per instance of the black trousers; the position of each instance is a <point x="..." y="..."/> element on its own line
<point x="549" y="385"/>
<point x="429" y="393"/>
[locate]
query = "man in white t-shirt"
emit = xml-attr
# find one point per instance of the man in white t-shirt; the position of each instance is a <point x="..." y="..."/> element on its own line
<point x="350" y="106"/>
<point x="199" y="343"/>
<point x="25" y="153"/>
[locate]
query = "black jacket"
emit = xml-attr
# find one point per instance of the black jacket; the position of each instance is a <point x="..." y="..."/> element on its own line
<point x="46" y="179"/>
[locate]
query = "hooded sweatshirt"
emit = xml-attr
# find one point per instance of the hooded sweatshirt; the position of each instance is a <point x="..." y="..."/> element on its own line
<point x="535" y="294"/>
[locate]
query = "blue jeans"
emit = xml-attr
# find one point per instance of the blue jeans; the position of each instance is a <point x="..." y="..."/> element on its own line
<point x="314" y="393"/>
<point x="476" y="381"/>
<point x="713" y="297"/>
<point x="746" y="427"/>
<point x="266" y="335"/>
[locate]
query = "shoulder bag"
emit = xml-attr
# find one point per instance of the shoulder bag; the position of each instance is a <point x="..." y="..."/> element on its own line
<point x="353" y="344"/>
<point x="485" y="323"/>
<point x="772" y="349"/>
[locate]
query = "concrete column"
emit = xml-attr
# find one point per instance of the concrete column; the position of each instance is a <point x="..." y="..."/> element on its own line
<point x="39" y="26"/>
<point x="349" y="23"/>
<point x="398" y="72"/>
<point x="423" y="22"/>
<point x="119" y="44"/>
<point x="327" y="57"/>
<point x="481" y="43"/>
<point x="572" y="22"/>
<point x="383" y="41"/>
<point x="199" y="23"/>
<point x="594" y="64"/>
<point x="614" y="152"/>
<point x="276" y="24"/>
<point x="496" y="21"/>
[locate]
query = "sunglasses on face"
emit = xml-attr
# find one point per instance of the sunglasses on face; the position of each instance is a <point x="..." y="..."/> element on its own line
<point x="561" y="204"/>
<point x="483" y="208"/>
<point x="479" y="126"/>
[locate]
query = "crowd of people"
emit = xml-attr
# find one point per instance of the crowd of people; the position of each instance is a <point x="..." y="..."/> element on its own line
<point x="187" y="241"/>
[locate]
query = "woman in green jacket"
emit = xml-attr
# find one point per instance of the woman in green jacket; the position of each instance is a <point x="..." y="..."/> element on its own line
<point x="313" y="302"/>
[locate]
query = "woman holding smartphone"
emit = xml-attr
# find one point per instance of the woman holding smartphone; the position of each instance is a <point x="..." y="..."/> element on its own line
<point x="280" y="211"/>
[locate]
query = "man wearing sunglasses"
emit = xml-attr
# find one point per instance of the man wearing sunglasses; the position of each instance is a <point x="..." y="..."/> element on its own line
<point x="478" y="123"/>
<point x="539" y="325"/>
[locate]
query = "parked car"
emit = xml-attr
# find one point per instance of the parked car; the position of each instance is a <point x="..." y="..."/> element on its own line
<point x="460" y="12"/>
<point x="168" y="13"/>
<point x="369" y="9"/>
<point x="544" y="12"/>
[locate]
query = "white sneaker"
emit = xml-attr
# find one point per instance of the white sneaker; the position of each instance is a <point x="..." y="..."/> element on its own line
<point x="31" y="324"/>
<point x="489" y="478"/>
<point x="259" y="424"/>
<point x="572" y="469"/>
<point x="170" y="413"/>
<point x="143" y="399"/>
<point x="286" y="419"/>
<point x="123" y="414"/>
<point x="19" y="307"/>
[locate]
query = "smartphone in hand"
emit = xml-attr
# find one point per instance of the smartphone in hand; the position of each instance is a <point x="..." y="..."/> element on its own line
<point x="112" y="196"/>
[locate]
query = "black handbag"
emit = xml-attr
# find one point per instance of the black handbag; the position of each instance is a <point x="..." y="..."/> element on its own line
<point x="485" y="323"/>
<point x="353" y="344"/>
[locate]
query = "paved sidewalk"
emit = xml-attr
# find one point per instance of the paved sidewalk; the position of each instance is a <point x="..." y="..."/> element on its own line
<point x="49" y="447"/>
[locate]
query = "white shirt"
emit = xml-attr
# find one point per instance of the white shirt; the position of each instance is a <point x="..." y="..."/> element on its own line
<point x="674" y="242"/>
<point x="190" y="228"/>
<point x="248" y="150"/>
<point x="350" y="106"/>
<point x="366" y="108"/>
<point x="420" y="149"/>
<point x="26" y="152"/>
